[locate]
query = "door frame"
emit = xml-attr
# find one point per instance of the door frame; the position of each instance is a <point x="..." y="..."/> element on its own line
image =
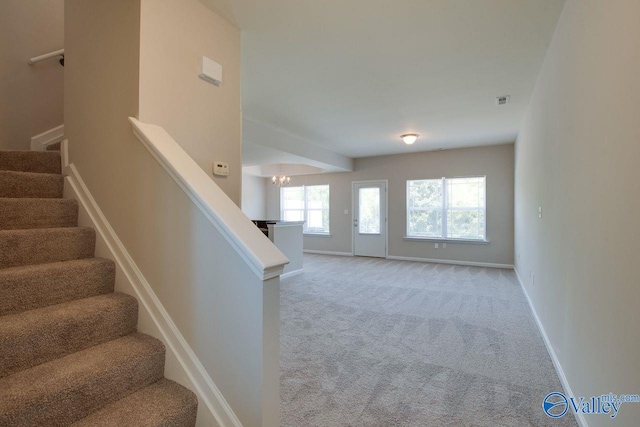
<point x="386" y="213"/>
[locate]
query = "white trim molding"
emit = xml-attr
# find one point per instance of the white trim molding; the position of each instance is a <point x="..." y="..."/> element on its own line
<point x="52" y="136"/>
<point x="260" y="254"/>
<point x="445" y="240"/>
<point x="554" y="358"/>
<point x="292" y="273"/>
<point x="182" y="364"/>
<point x="309" y="251"/>
<point x="452" y="262"/>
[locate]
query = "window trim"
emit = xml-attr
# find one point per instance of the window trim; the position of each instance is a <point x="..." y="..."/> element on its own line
<point x="305" y="210"/>
<point x="444" y="208"/>
<point x="446" y="240"/>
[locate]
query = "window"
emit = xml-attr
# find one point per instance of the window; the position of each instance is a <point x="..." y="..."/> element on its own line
<point x="369" y="210"/>
<point x="309" y="204"/>
<point x="447" y="208"/>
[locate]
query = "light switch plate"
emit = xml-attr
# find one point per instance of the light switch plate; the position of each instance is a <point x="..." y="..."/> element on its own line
<point x="221" y="169"/>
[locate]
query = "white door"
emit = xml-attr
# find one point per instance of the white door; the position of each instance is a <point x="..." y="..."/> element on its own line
<point x="370" y="218"/>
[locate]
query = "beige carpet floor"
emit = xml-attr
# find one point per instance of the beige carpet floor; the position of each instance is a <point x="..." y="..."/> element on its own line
<point x="373" y="342"/>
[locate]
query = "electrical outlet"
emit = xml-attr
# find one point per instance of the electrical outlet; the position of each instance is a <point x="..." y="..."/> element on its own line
<point x="436" y="245"/>
<point x="539" y="211"/>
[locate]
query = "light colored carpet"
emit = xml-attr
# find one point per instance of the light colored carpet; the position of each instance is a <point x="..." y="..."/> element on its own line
<point x="373" y="342"/>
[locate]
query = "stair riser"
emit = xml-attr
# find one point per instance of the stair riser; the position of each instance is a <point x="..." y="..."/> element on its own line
<point x="28" y="247"/>
<point x="31" y="185"/>
<point x="37" y="336"/>
<point x="39" y="286"/>
<point x="30" y="161"/>
<point x="21" y="214"/>
<point x="78" y="385"/>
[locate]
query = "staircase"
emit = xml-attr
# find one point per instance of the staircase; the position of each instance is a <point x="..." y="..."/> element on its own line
<point x="69" y="350"/>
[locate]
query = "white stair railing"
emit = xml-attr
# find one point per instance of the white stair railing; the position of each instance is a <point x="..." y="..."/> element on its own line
<point x="264" y="259"/>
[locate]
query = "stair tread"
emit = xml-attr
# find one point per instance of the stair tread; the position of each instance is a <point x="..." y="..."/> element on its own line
<point x="28" y="287"/>
<point x="70" y="388"/>
<point x="16" y="184"/>
<point x="45" y="245"/>
<point x="30" y="161"/>
<point x="164" y="403"/>
<point x="37" y="336"/>
<point x="29" y="213"/>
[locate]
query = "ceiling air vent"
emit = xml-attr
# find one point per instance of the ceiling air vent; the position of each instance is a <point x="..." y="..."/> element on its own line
<point x="503" y="100"/>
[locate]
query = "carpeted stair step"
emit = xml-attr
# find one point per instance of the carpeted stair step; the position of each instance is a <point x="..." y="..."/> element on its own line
<point x="29" y="184"/>
<point x="70" y="388"/>
<point x="37" y="336"/>
<point x="30" y="161"/>
<point x="40" y="246"/>
<point x="35" y="286"/>
<point x="162" y="404"/>
<point x="37" y="213"/>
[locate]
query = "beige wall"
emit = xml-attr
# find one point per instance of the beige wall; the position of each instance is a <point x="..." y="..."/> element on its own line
<point x="30" y="96"/>
<point x="254" y="197"/>
<point x="496" y="162"/>
<point x="203" y="118"/>
<point x="218" y="304"/>
<point x="577" y="157"/>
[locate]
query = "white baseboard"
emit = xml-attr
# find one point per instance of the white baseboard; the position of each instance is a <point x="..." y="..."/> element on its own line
<point x="452" y="262"/>
<point x="50" y="137"/>
<point x="308" y="251"/>
<point x="291" y="273"/>
<point x="182" y="365"/>
<point x="556" y="363"/>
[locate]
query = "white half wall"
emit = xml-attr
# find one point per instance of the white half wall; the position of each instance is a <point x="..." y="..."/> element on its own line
<point x="577" y="160"/>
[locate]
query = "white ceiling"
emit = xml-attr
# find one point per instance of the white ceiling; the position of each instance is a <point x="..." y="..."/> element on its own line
<point x="352" y="75"/>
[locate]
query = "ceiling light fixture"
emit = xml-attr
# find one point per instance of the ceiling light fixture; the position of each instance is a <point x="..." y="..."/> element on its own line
<point x="281" y="180"/>
<point x="409" y="138"/>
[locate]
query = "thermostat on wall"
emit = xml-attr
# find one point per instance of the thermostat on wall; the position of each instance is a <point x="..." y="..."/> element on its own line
<point x="221" y="169"/>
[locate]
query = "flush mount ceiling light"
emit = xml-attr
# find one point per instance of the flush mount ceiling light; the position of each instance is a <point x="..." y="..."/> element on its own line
<point x="409" y="138"/>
